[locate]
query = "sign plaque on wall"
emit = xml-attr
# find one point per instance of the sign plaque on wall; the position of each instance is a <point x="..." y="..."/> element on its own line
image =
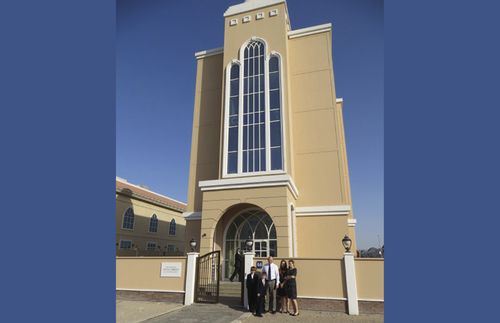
<point x="259" y="264"/>
<point x="170" y="269"/>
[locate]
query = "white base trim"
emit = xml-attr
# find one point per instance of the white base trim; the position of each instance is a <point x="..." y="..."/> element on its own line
<point x="371" y="300"/>
<point x="250" y="182"/>
<point x="191" y="216"/>
<point x="323" y="210"/>
<point x="309" y="30"/>
<point x="151" y="290"/>
<point x="324" y="297"/>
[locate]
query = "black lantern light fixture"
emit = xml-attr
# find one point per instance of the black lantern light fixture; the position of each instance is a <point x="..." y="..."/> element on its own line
<point x="192" y="243"/>
<point x="249" y="244"/>
<point x="347" y="242"/>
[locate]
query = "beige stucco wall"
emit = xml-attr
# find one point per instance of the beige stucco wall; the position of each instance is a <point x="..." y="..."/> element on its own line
<point x="144" y="274"/>
<point x="321" y="236"/>
<point x="272" y="200"/>
<point x="205" y="140"/>
<point x="370" y="278"/>
<point x="314" y="139"/>
<point x="319" y="155"/>
<point x="317" y="277"/>
<point x="193" y="230"/>
<point x="140" y="235"/>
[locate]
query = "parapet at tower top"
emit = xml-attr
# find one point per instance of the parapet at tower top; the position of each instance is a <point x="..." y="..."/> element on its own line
<point x="248" y="5"/>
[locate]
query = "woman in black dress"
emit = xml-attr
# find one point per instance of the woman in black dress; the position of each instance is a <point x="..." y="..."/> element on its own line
<point x="282" y="288"/>
<point x="291" y="286"/>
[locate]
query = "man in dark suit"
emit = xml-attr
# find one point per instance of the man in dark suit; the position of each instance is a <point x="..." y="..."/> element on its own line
<point x="262" y="286"/>
<point x="252" y="282"/>
<point x="237" y="266"/>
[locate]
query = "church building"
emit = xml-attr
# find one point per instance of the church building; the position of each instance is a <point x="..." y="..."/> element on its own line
<point x="268" y="153"/>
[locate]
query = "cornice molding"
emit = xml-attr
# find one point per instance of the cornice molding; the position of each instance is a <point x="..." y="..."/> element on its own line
<point x="323" y="210"/>
<point x="250" y="182"/>
<point x="250" y="5"/>
<point x="310" y="30"/>
<point x="209" y="52"/>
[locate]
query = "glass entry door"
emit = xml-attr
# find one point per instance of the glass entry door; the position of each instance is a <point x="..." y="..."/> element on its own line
<point x="253" y="224"/>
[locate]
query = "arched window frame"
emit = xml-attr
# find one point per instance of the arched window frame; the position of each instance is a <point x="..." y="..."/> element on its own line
<point x="267" y="171"/>
<point x="172" y="227"/>
<point x="125" y="215"/>
<point x="153" y="223"/>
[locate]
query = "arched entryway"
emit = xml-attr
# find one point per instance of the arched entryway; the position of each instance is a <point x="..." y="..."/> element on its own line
<point x="250" y="223"/>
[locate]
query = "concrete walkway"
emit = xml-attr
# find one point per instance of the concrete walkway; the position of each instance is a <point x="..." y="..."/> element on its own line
<point x="140" y="311"/>
<point x="160" y="312"/>
<point x="213" y="313"/>
<point x="317" y="317"/>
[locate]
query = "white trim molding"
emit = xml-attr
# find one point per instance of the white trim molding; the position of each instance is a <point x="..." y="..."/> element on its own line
<point x="151" y="290"/>
<point x="209" y="52"/>
<point x="351" y="222"/>
<point x="339" y="100"/>
<point x="250" y="5"/>
<point x="250" y="182"/>
<point x="323" y="210"/>
<point x="310" y="30"/>
<point x="191" y="216"/>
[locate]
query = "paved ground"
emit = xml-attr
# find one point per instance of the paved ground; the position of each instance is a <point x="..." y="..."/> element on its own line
<point x="317" y="317"/>
<point x="216" y="313"/>
<point x="139" y="311"/>
<point x="160" y="312"/>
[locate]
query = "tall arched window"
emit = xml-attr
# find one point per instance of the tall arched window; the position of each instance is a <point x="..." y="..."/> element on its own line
<point x="254" y="133"/>
<point x="171" y="228"/>
<point x="234" y="101"/>
<point x="153" y="224"/>
<point x="128" y="219"/>
<point x="275" y="113"/>
<point x="253" y="126"/>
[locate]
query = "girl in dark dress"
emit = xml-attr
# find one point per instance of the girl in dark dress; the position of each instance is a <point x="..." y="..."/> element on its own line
<point x="282" y="288"/>
<point x="291" y="286"/>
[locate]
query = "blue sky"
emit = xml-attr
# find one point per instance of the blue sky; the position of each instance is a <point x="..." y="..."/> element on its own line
<point x="155" y="81"/>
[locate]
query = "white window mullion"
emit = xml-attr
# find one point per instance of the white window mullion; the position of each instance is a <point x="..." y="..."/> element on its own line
<point x="240" y="115"/>
<point x="267" y="114"/>
<point x="226" y="121"/>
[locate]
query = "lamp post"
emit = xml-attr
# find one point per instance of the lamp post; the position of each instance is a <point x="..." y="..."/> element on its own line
<point x="249" y="244"/>
<point x="192" y="243"/>
<point x="347" y="242"/>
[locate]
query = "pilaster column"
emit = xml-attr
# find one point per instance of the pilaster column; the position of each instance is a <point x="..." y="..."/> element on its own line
<point x="190" y="277"/>
<point x="248" y="263"/>
<point x="350" y="277"/>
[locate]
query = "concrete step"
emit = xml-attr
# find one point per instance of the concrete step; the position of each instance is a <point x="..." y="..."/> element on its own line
<point x="230" y="289"/>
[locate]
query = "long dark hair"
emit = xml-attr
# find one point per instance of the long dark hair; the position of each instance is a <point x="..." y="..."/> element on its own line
<point x="285" y="267"/>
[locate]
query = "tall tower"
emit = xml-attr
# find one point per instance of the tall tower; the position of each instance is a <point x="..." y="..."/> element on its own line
<point x="268" y="155"/>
